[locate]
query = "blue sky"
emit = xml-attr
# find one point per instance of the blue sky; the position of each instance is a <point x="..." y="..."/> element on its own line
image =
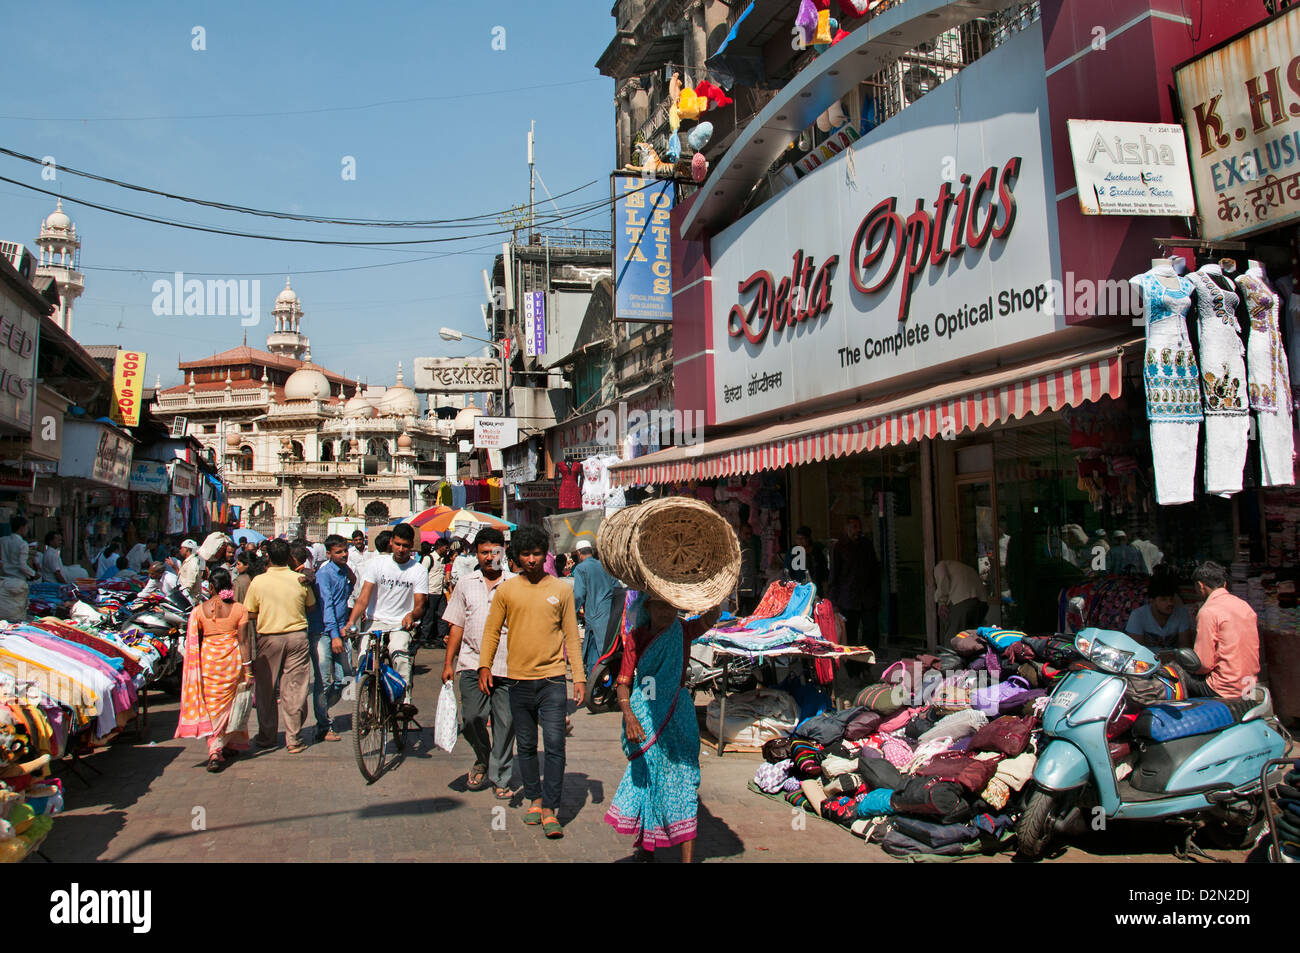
<point x="117" y="89"/>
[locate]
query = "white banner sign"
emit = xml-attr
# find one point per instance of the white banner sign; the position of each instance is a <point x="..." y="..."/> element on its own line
<point x="495" y="433"/>
<point x="944" y="247"/>
<point x="456" y="374"/>
<point x="1131" y="168"/>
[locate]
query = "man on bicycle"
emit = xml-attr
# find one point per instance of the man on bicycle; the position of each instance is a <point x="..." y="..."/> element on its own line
<point x="394" y="591"/>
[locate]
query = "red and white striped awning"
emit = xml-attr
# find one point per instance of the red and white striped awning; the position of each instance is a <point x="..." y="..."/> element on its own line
<point x="942" y="410"/>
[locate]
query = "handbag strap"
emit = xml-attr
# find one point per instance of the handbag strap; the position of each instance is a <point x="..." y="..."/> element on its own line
<point x="668" y="717"/>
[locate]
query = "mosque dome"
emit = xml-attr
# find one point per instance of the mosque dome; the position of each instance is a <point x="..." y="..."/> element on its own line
<point x="307" y="383"/>
<point x="358" y="406"/>
<point x="287" y="296"/>
<point x="404" y="441"/>
<point x="398" y="400"/>
<point x="465" y="419"/>
<point x="232" y="440"/>
<point x="57" y="219"/>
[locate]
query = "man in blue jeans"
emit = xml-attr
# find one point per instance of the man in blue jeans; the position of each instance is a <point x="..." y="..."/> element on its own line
<point x="537" y="609"/>
<point x="330" y="661"/>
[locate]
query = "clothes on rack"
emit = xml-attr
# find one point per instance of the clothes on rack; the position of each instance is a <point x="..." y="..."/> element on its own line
<point x="1223" y="380"/>
<point x="1269" y="380"/>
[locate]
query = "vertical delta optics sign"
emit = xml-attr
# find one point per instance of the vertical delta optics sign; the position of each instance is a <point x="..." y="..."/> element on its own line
<point x="643" y="270"/>
<point x="535" y="323"/>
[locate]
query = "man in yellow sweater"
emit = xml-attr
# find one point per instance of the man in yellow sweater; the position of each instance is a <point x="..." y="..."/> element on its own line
<point x="537" y="610"/>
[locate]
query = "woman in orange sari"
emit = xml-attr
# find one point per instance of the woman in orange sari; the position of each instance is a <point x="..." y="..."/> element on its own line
<point x="218" y="660"/>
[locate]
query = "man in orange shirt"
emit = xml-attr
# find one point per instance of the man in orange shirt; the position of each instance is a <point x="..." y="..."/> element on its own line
<point x="1227" y="638"/>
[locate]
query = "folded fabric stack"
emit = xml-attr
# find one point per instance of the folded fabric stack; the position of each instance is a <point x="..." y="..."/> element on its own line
<point x="789" y="620"/>
<point x="932" y="761"/>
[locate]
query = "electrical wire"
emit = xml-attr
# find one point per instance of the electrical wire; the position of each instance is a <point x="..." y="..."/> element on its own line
<point x="156" y="220"/>
<point x="267" y="213"/>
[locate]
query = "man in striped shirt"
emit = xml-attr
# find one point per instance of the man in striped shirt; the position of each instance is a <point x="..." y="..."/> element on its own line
<point x="466" y="614"/>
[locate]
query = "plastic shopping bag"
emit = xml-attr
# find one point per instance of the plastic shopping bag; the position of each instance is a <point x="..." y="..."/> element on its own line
<point x="240" y="708"/>
<point x="446" y="725"/>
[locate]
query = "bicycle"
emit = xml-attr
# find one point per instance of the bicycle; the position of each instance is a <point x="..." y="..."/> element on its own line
<point x="377" y="714"/>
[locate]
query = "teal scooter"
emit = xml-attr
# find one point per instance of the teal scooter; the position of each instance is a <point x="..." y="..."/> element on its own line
<point x="1200" y="758"/>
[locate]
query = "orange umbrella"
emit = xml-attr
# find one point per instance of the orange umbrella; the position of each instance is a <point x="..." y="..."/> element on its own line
<point x="424" y="516"/>
<point x="444" y="522"/>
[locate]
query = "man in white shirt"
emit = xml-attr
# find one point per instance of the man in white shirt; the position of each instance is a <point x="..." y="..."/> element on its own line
<point x="432" y="628"/>
<point x="959" y="588"/>
<point x="161" y="580"/>
<point x="51" y="561"/>
<point x="14" y="553"/>
<point x="191" y="574"/>
<point x="357" y="559"/>
<point x="394" y="592"/>
<point x="464" y="564"/>
<point x="138" y="557"/>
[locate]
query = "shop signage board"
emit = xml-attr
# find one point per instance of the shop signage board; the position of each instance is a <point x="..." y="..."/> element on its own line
<point x="535" y="323"/>
<point x="835" y="143"/>
<point x="97" y="452"/>
<point x="643" y="268"/>
<point x="495" y="433"/>
<point x="542" y="490"/>
<point x="456" y="375"/>
<point x="128" y="386"/>
<point x="47" y="425"/>
<point x="520" y="463"/>
<point x="1240" y="103"/>
<point x="1131" y="168"/>
<point x="16" y="480"/>
<point x="942" y="245"/>
<point x="148" y="476"/>
<point x="184" y="478"/>
<point x="19" y="328"/>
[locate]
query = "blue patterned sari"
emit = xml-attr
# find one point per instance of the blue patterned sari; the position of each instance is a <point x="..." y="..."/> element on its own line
<point x="657" y="799"/>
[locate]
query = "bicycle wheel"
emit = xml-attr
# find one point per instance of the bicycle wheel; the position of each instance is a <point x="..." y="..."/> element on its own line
<point x="370" y="727"/>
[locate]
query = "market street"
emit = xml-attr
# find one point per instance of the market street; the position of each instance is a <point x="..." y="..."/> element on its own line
<point x="313" y="807"/>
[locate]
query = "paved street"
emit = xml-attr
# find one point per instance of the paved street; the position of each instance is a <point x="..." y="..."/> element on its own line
<point x="315" y="807"/>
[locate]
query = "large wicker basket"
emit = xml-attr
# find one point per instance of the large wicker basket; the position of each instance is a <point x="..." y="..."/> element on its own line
<point x="677" y="548"/>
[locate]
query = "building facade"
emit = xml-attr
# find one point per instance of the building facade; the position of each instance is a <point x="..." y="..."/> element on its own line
<point x="297" y="443"/>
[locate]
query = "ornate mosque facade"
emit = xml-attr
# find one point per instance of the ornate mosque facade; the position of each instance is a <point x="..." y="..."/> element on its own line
<point x="298" y="443"/>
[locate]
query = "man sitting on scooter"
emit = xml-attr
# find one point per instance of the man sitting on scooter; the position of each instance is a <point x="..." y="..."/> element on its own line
<point x="1227" y="639"/>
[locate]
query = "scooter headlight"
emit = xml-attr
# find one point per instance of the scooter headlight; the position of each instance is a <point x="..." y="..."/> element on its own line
<point x="1084" y="645"/>
<point x="1110" y="659"/>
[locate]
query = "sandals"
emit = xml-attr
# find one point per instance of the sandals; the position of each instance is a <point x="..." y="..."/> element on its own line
<point x="503" y="794"/>
<point x="533" y="816"/>
<point x="551" y="827"/>
<point x="477" y="778"/>
<point x="215" y="764"/>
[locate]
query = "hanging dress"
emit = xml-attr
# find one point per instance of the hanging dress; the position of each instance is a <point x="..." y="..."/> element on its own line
<point x="570" y="494"/>
<point x="1172" y="387"/>
<point x="1269" y="382"/>
<point x="1223" y="383"/>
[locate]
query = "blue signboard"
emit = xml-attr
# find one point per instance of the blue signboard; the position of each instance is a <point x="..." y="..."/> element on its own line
<point x="643" y="268"/>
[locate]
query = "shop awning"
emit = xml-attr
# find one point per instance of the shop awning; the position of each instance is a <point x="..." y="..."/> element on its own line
<point x="998" y="396"/>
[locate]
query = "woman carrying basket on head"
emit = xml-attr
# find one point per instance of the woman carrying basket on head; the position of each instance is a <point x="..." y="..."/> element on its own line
<point x="218" y="660"/>
<point x="658" y="798"/>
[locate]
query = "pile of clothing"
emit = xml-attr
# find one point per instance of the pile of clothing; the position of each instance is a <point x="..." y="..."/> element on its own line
<point x="932" y="760"/>
<point x="1286" y="820"/>
<point x="788" y="620"/>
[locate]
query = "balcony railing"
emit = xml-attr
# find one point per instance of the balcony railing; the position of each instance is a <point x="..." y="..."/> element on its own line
<point x="239" y="398"/>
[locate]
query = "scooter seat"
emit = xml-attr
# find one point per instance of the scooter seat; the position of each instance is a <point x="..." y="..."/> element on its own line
<point x="1169" y="721"/>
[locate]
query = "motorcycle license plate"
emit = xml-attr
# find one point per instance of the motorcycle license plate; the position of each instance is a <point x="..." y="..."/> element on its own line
<point x="1065" y="699"/>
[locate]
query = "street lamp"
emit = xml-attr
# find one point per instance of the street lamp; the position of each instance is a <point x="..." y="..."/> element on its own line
<point x="451" y="334"/>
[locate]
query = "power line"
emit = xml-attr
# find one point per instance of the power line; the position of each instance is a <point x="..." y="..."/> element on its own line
<point x="156" y="220"/>
<point x="267" y="213"/>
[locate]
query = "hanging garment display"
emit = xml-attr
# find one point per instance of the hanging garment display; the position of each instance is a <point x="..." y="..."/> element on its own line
<point x="595" y="482"/>
<point x="1223" y="380"/>
<point x="570" y="494"/>
<point x="1269" y="379"/>
<point x="1172" y="383"/>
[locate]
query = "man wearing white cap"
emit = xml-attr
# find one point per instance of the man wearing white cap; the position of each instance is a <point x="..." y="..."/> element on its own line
<point x="191" y="574"/>
<point x="592" y="589"/>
